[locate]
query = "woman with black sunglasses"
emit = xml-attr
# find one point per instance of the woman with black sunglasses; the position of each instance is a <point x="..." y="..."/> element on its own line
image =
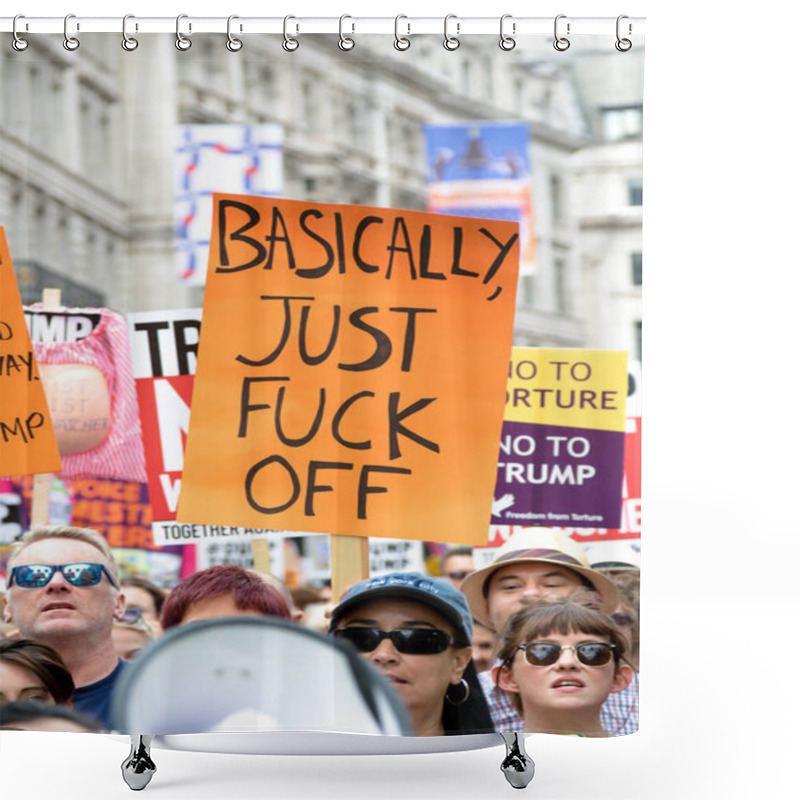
<point x="417" y="631"/>
<point x="560" y="660"/>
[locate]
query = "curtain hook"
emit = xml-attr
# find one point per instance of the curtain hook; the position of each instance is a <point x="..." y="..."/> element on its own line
<point x="182" y="42"/>
<point x="129" y="43"/>
<point x="401" y="42"/>
<point x="507" y="42"/>
<point x="561" y="43"/>
<point x="70" y="42"/>
<point x="623" y="45"/>
<point x="233" y="44"/>
<point x="17" y="42"/>
<point x="451" y="42"/>
<point x="346" y="42"/>
<point x="290" y="44"/>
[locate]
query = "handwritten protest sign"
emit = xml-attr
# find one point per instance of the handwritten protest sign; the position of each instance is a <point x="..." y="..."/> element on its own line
<point x="27" y="440"/>
<point x="351" y="370"/>
<point x="85" y="362"/>
<point x="563" y="442"/>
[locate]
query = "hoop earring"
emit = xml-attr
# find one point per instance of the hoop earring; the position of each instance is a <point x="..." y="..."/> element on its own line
<point x="463" y="699"/>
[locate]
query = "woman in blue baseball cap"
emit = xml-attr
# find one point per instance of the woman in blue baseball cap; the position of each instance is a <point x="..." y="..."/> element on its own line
<point x="417" y="631"/>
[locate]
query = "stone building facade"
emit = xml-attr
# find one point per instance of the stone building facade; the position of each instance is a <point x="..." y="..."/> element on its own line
<point x="86" y="143"/>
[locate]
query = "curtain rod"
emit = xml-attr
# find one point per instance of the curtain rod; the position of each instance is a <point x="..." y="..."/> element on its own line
<point x="74" y="25"/>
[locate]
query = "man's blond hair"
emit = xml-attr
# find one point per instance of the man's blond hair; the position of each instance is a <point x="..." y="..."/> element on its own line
<point x="40" y="533"/>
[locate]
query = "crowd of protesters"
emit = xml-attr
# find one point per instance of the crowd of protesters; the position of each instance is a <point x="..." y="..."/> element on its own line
<point x="538" y="640"/>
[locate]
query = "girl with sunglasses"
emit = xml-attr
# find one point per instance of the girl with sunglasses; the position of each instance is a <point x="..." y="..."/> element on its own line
<point x="417" y="631"/>
<point x="560" y="661"/>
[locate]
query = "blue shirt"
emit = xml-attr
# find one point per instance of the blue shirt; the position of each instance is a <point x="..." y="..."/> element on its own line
<point x="95" y="699"/>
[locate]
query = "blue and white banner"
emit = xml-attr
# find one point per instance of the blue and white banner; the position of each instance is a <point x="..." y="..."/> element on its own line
<point x="237" y="159"/>
<point x="482" y="169"/>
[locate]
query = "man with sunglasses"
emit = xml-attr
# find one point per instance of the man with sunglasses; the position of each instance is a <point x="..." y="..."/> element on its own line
<point x="63" y="590"/>
<point x="534" y="564"/>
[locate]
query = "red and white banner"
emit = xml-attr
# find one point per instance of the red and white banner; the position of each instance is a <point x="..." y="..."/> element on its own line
<point x="164" y="355"/>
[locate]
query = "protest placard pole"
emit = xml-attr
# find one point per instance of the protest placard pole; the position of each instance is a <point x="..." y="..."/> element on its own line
<point x="40" y="500"/>
<point x="349" y="562"/>
<point x="261" y="560"/>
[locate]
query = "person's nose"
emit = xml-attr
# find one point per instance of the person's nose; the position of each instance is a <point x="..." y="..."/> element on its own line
<point x="567" y="659"/>
<point x="58" y="583"/>
<point x="384" y="653"/>
<point x="533" y="590"/>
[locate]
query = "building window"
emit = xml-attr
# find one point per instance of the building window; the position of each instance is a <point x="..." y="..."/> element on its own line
<point x="636" y="269"/>
<point x="260" y="89"/>
<point x="635" y="192"/>
<point x="560" y="283"/>
<point x="525" y="295"/>
<point x="622" y="123"/>
<point x="487" y="72"/>
<point x="519" y="94"/>
<point x="466" y="78"/>
<point x="310" y="92"/>
<point x="637" y="339"/>
<point x="556" y="198"/>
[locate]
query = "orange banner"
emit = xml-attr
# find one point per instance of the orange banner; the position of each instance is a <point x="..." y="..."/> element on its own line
<point x="27" y="440"/>
<point x="351" y="370"/>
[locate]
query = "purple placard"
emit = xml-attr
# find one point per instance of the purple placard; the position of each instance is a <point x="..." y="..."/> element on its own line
<point x="556" y="476"/>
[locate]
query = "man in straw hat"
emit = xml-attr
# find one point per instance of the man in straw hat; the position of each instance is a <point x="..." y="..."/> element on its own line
<point x="533" y="563"/>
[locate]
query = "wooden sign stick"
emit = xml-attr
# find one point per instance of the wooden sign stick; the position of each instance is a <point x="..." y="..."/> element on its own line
<point x="40" y="501"/>
<point x="261" y="560"/>
<point x="349" y="563"/>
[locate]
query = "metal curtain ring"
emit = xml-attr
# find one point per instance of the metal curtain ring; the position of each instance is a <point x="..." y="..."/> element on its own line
<point x="129" y="43"/>
<point x="233" y="44"/>
<point x="290" y="44"/>
<point x="346" y="42"/>
<point x="561" y="43"/>
<point x="17" y="42"/>
<point x="70" y="42"/>
<point x="450" y="42"/>
<point x="507" y="42"/>
<point x="401" y="42"/>
<point x="623" y="45"/>
<point x="181" y="41"/>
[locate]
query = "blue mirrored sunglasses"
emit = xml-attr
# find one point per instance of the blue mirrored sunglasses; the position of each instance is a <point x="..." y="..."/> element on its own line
<point x="34" y="576"/>
<point x="131" y="615"/>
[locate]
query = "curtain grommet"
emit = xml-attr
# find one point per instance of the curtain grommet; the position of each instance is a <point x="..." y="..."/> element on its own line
<point x="70" y="43"/>
<point x="183" y="43"/>
<point x="561" y="43"/>
<point x="451" y="43"/>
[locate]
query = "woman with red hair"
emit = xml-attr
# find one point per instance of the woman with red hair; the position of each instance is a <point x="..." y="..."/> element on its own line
<point x="222" y="591"/>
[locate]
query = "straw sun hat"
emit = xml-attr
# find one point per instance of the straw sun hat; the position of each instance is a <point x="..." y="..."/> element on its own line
<point x="537" y="545"/>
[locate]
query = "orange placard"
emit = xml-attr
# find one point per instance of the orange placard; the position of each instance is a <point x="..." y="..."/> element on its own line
<point x="351" y="370"/>
<point x="27" y="440"/>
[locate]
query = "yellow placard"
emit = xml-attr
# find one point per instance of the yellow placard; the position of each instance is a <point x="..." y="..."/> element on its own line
<point x="27" y="440"/>
<point x="351" y="370"/>
<point x="569" y="387"/>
